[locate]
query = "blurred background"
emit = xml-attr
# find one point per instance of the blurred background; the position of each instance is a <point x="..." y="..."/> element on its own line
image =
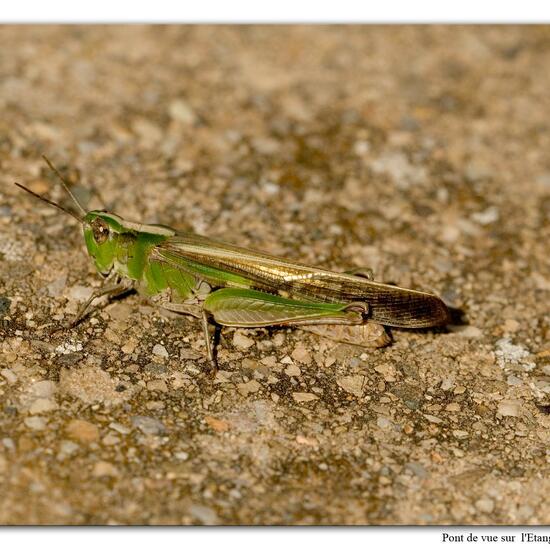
<point x="419" y="151"/>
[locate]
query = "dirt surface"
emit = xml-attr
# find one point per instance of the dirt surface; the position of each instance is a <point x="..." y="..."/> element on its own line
<point x="421" y="152"/>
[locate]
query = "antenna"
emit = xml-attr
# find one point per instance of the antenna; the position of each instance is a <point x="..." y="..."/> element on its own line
<point x="65" y="185"/>
<point x="50" y="202"/>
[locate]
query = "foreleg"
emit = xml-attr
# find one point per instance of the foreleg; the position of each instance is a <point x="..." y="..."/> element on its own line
<point x="113" y="288"/>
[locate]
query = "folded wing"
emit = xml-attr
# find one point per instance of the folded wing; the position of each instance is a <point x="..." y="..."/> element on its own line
<point x="224" y="264"/>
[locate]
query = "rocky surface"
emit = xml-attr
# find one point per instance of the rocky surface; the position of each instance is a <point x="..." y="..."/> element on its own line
<point x="421" y="152"/>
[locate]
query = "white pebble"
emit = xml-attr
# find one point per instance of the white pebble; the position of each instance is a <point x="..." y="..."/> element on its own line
<point x="509" y="407"/>
<point x="120" y="428"/>
<point x="352" y="384"/>
<point x="490" y="215"/>
<point x="304" y="397"/>
<point x="67" y="447"/>
<point x="43" y="388"/>
<point x="9" y="375"/>
<point x="181" y="111"/>
<point x="485" y="505"/>
<point x="35" y="423"/>
<point x="241" y="341"/>
<point x="160" y="350"/>
<point x="42" y="405"/>
<point x="68" y="347"/>
<point x="293" y="370"/>
<point x="383" y="422"/>
<point x="148" y="425"/>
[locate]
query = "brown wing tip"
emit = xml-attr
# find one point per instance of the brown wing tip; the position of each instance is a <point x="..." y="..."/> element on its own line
<point x="431" y="312"/>
<point x="413" y="310"/>
<point x="441" y="313"/>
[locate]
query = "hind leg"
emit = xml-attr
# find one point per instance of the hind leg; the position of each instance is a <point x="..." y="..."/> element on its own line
<point x="251" y="308"/>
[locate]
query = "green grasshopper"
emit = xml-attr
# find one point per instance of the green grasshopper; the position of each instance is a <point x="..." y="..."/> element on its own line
<point x="232" y="286"/>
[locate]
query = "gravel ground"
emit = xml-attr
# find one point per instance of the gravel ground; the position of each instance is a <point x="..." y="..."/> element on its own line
<point x="421" y="152"/>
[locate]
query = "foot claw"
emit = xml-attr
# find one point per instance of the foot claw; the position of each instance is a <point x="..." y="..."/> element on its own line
<point x="213" y="369"/>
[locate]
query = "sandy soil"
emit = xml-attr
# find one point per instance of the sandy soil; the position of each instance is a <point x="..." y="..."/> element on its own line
<point x="421" y="152"/>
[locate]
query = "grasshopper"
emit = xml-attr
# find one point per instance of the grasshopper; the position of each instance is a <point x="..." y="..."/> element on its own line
<point x="227" y="285"/>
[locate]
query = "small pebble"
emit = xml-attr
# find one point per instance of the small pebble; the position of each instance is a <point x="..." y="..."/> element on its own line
<point x="120" y="428"/>
<point x="8" y="443"/>
<point x="56" y="287"/>
<point x="509" y="407"/>
<point x="104" y="469"/>
<point x="513" y="380"/>
<point x="486" y="217"/>
<point x="110" y="439"/>
<point x="269" y="361"/>
<point x="417" y="469"/>
<point x="157" y="385"/>
<point x="129" y="347"/>
<point x="217" y="424"/>
<point x="9" y="375"/>
<point x="383" y="422"/>
<point x="82" y="430"/>
<point x="387" y="371"/>
<point x="79" y="293"/>
<point x="148" y="425"/>
<point x="278" y="340"/>
<point x="301" y="354"/>
<point x="67" y="448"/>
<point x="352" y="384"/>
<point x="68" y="347"/>
<point x="160" y="350"/>
<point x="250" y="364"/>
<point x="155" y="405"/>
<point x="309" y="441"/>
<point x="43" y="388"/>
<point x="293" y="370"/>
<point x="249" y="387"/>
<point x="182" y="112"/>
<point x="466" y="332"/>
<point x="511" y="325"/>
<point x="204" y="514"/>
<point x="240" y="341"/>
<point x="304" y="397"/>
<point x="155" y="368"/>
<point x="485" y="505"/>
<point x="37" y="423"/>
<point x="42" y="405"/>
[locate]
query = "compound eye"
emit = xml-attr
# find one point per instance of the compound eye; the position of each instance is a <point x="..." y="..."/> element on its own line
<point x="100" y="231"/>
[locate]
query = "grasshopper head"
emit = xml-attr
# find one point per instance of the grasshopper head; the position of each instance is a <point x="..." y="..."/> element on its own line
<point x="115" y="242"/>
<point x="111" y="241"/>
<point x="101" y="231"/>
